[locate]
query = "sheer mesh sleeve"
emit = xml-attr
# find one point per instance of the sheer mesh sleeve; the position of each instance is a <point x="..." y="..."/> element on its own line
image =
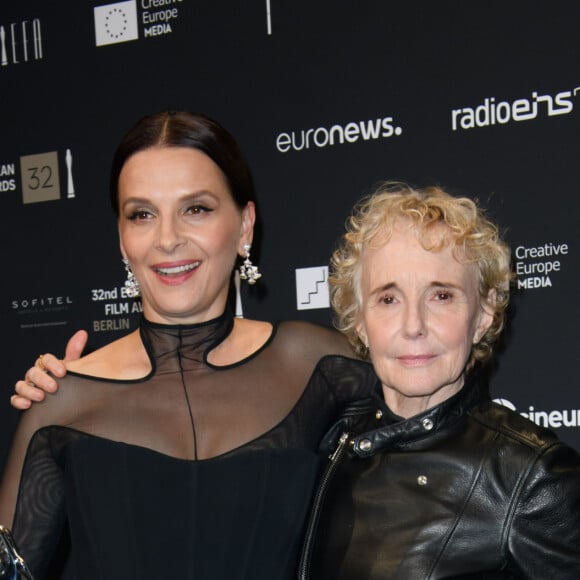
<point x="32" y="489"/>
<point x="40" y="512"/>
<point x="37" y="503"/>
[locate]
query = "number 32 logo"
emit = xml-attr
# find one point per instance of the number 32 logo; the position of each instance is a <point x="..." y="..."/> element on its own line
<point x="40" y="177"/>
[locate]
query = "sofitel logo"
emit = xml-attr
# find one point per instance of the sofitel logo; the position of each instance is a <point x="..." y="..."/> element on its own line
<point x="37" y="312"/>
<point x="41" y="304"/>
<point x="20" y="42"/>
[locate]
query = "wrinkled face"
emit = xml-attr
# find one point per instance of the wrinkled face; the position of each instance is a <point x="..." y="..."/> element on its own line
<point x="181" y="232"/>
<point x="420" y="316"/>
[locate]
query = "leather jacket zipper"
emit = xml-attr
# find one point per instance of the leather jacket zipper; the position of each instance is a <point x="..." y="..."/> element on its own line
<point x="317" y="502"/>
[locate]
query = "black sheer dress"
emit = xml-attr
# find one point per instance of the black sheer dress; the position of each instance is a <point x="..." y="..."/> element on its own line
<point x="194" y="471"/>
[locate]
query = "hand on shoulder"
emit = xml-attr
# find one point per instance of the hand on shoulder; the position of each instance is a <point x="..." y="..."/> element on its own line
<point x="39" y="379"/>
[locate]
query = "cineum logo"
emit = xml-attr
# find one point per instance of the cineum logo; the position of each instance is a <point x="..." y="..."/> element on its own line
<point x="372" y="129"/>
<point x="312" y="288"/>
<point x="550" y="419"/>
<point x="116" y="23"/>
<point x="491" y="112"/>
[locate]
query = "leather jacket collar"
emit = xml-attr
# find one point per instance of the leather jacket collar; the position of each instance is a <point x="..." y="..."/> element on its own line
<point x="373" y="427"/>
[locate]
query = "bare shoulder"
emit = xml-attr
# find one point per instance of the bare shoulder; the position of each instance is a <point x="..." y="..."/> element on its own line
<point x="257" y="328"/>
<point x="246" y="338"/>
<point x="122" y="359"/>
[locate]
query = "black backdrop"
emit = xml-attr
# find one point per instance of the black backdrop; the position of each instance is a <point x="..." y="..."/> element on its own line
<point x="326" y="98"/>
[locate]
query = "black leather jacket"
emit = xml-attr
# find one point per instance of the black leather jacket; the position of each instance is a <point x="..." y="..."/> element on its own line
<point x="468" y="489"/>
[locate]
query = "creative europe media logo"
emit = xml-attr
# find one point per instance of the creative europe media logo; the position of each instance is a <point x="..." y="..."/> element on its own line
<point x="119" y="22"/>
<point x="536" y="266"/>
<point x="116" y="23"/>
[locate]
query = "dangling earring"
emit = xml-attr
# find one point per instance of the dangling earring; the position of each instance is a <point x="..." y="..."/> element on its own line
<point x="248" y="271"/>
<point x="132" y="289"/>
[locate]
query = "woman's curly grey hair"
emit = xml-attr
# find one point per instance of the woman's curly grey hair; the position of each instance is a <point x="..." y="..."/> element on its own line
<point x="475" y="240"/>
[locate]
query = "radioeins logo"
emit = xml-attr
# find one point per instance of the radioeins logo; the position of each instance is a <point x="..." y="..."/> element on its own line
<point x="350" y="132"/>
<point x="493" y="112"/>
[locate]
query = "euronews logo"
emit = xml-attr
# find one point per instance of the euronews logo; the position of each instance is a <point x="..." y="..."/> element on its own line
<point x="351" y="132"/>
<point x="551" y="419"/>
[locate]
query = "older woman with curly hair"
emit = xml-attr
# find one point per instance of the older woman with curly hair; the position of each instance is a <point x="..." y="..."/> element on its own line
<point x="432" y="479"/>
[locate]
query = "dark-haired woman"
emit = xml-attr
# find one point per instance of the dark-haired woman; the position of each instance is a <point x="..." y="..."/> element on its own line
<point x="186" y="449"/>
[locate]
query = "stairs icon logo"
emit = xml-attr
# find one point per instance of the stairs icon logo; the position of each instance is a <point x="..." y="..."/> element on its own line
<point x="312" y="288"/>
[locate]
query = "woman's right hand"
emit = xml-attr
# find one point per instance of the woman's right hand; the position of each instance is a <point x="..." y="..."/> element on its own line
<point x="37" y="380"/>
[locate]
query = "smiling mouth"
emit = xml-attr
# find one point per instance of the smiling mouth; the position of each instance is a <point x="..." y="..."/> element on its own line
<point x="175" y="270"/>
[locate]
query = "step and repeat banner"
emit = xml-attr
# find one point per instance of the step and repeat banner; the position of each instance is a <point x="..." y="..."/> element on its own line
<point x="327" y="98"/>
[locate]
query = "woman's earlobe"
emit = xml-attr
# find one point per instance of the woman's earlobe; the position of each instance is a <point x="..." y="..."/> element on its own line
<point x="486" y="316"/>
<point x="362" y="335"/>
<point x="248" y="222"/>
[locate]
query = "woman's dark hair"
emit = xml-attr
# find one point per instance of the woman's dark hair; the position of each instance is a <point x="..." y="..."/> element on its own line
<point x="184" y="129"/>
